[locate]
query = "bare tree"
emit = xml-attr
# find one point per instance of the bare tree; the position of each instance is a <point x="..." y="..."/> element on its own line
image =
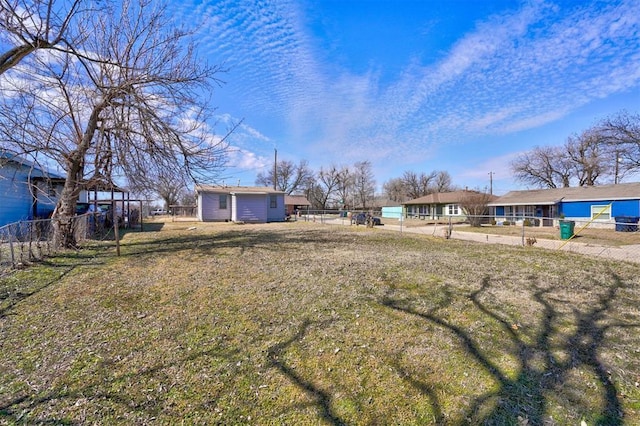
<point x="329" y="180"/>
<point x="621" y="134"/>
<point x="607" y="151"/>
<point x="475" y="205"/>
<point x="418" y="185"/>
<point x="187" y="198"/>
<point x="29" y="26"/>
<point x="414" y="185"/>
<point x="145" y="104"/>
<point x="395" y="190"/>
<point x="170" y="187"/>
<point x="345" y="187"/>
<point x="588" y="159"/>
<point x="543" y="167"/>
<point x="442" y="182"/>
<point x="364" y="184"/>
<point x="290" y="178"/>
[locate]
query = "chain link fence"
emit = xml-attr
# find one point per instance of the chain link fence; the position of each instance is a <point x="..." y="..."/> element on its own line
<point x="617" y="238"/>
<point x="26" y="242"/>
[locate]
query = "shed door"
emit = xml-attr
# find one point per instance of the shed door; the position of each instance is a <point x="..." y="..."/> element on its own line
<point x="249" y="208"/>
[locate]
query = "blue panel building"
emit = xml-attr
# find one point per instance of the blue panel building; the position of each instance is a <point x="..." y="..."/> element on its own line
<point x="26" y="190"/>
<point x="598" y="205"/>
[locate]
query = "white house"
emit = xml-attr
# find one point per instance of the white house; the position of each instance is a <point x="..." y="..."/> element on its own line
<point x="240" y="204"/>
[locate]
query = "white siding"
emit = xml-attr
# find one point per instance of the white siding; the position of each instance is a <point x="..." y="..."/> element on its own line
<point x="249" y="208"/>
<point x="209" y="207"/>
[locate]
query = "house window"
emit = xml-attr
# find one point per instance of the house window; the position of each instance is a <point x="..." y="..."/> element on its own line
<point x="223" y="202"/>
<point x="273" y="201"/>
<point x="454" y="210"/>
<point x="52" y="191"/>
<point x="603" y="212"/>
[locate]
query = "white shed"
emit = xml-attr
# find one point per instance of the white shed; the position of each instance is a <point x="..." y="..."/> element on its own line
<point x="240" y="204"/>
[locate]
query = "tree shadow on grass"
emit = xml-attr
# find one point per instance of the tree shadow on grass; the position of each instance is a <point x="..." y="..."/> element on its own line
<point x="321" y="398"/>
<point x="23" y="404"/>
<point x="9" y="297"/>
<point x="522" y="398"/>
<point x="241" y="239"/>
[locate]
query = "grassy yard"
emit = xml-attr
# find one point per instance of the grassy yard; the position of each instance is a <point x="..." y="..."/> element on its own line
<point x="300" y="323"/>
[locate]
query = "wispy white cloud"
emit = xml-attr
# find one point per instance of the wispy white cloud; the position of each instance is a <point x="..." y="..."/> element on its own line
<point x="514" y="71"/>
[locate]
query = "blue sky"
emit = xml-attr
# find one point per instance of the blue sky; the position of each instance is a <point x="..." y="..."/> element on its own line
<point x="461" y="86"/>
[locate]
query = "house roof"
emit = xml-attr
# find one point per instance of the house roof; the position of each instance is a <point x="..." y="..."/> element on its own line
<point x="442" y="198"/>
<point x="620" y="191"/>
<point x="296" y="200"/>
<point x="224" y="189"/>
<point x="38" y="171"/>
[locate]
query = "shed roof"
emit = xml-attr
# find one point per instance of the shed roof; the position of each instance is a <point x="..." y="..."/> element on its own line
<point x="620" y="191"/>
<point x="224" y="189"/>
<point x="453" y="197"/>
<point x="296" y="200"/>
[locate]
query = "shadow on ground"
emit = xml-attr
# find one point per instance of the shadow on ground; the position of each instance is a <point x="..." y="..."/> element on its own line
<point x="523" y="398"/>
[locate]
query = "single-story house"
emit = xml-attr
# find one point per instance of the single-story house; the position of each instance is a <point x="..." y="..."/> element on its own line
<point x="239" y="204"/>
<point x="438" y="205"/>
<point x="599" y="204"/>
<point x="295" y="203"/>
<point x="27" y="190"/>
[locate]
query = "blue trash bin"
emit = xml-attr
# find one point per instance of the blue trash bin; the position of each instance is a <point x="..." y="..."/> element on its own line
<point x="626" y="223"/>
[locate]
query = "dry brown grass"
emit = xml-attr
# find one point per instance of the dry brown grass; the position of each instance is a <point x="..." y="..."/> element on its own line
<point x="607" y="237"/>
<point x="301" y="323"/>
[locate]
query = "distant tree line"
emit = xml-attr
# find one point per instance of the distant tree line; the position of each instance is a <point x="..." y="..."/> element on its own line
<point x="331" y="187"/>
<point x="351" y="187"/>
<point x="607" y="152"/>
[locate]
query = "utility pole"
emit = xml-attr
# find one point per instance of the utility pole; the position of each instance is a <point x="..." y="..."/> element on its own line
<point x="491" y="183"/>
<point x="275" y="170"/>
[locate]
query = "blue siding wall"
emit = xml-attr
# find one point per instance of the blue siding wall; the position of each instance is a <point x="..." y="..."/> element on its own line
<point x="626" y="208"/>
<point x="15" y="197"/>
<point x="583" y="208"/>
<point x="578" y="208"/>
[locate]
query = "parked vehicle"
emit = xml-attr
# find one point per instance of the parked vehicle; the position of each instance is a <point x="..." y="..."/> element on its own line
<point x="361" y="219"/>
<point x="158" y="212"/>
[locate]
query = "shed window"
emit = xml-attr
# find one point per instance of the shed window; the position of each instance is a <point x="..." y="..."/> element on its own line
<point x="273" y="201"/>
<point x="223" y="202"/>
<point x="603" y="212"/>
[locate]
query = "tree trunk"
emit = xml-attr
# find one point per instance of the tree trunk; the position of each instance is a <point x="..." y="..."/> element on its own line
<point x="64" y="234"/>
<point x="66" y="208"/>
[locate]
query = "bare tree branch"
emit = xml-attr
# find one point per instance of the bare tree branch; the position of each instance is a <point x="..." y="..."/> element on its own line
<point x="143" y="108"/>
